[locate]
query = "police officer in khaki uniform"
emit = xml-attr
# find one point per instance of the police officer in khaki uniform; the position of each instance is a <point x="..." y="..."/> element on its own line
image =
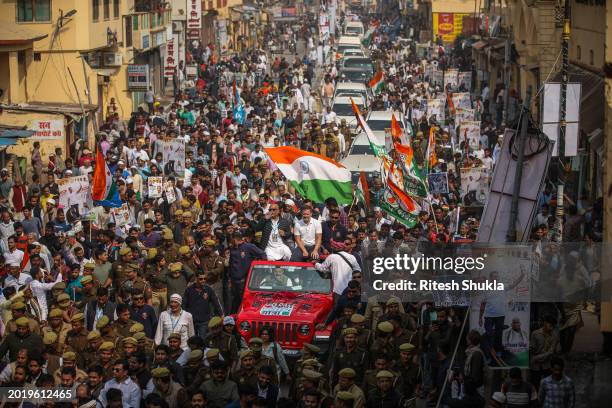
<point x="69" y="359"/>
<point x="106" y="358"/>
<point x="57" y="325"/>
<point x="247" y="373"/>
<point x="187" y="259"/>
<point x="146" y="345"/>
<point x="119" y="268"/>
<point x="195" y="372"/>
<point x="169" y="248"/>
<point x="350" y="356"/>
<point x="381" y="362"/>
<point x="50" y="354"/>
<point x="174" y="344"/>
<point x="76" y="339"/>
<point x="90" y="286"/>
<point x="408" y="369"/>
<point x="90" y="354"/>
<point x="18" y="309"/>
<point x="376" y="308"/>
<point x="106" y="330"/>
<point x="219" y="339"/>
<point x="296" y="385"/>
<point x="155" y="274"/>
<point x="383" y="343"/>
<point x="346" y="382"/>
<point x="213" y="267"/>
<point x="123" y="324"/>
<point x="311" y="380"/>
<point x="331" y="146"/>
<point x="255" y="345"/>
<point x="129" y="347"/>
<point x="364" y="336"/>
<point x="132" y="281"/>
<point x="345" y="399"/>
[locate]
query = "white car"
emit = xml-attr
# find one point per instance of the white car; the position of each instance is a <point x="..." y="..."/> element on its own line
<point x="343" y="109"/>
<point x="347" y="43"/>
<point x="354" y="90"/>
<point x="378" y="121"/>
<point x="360" y="156"/>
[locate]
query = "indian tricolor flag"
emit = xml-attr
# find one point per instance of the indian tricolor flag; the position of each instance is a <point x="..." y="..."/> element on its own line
<point x="376" y="142"/>
<point x="377" y="82"/>
<point x="313" y="176"/>
<point x="104" y="190"/>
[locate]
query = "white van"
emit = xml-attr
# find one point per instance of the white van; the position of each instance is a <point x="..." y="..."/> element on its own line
<point x="354" y="29"/>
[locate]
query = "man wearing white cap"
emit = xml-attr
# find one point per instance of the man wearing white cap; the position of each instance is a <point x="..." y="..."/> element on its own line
<point x="174" y="320"/>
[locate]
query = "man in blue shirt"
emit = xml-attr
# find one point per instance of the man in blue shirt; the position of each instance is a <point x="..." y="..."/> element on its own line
<point x="242" y="255"/>
<point x="129" y="389"/>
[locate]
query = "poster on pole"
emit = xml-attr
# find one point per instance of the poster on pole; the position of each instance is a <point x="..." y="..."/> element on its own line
<point x="74" y="195"/>
<point x="463" y="115"/>
<point x="465" y="80"/>
<point x="451" y="79"/>
<point x="169" y="190"/>
<point x="155" y="185"/>
<point x="121" y="215"/>
<point x="470" y="132"/>
<point x="436" y="107"/>
<point x="462" y="100"/>
<point x="502" y="317"/>
<point x="474" y="186"/>
<point x="438" y="183"/>
<point x="437" y="77"/>
<point x="173" y="156"/>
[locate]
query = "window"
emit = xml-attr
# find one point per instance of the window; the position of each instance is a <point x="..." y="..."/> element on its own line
<point x="128" y="31"/>
<point x="29" y="11"/>
<point x="592" y="57"/>
<point x="106" y="9"/>
<point x="36" y="56"/>
<point x="95" y="5"/>
<point x="578" y="53"/>
<point x="116" y="8"/>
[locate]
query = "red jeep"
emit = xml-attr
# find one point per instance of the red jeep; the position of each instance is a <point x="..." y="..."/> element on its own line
<point x="289" y="297"/>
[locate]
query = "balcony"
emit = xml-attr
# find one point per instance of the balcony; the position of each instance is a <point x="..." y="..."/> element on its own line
<point x="146" y="30"/>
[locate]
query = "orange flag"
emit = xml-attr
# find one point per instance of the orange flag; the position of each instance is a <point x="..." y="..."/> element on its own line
<point x="396" y="130"/>
<point x="431" y="148"/>
<point x="405" y="198"/>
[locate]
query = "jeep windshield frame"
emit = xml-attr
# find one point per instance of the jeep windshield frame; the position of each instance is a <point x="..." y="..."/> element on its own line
<point x="295" y="279"/>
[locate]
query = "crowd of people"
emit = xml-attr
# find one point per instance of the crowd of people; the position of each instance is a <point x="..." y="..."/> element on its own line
<point x="140" y="313"/>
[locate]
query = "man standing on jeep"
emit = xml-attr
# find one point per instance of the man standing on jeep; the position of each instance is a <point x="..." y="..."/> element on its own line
<point x="241" y="256"/>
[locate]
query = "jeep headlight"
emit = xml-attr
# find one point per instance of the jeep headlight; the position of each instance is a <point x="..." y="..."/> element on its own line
<point x="304" y="329"/>
<point x="245" y="326"/>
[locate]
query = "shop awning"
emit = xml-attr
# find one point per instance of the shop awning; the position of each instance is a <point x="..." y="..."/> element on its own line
<point x="10" y="134"/>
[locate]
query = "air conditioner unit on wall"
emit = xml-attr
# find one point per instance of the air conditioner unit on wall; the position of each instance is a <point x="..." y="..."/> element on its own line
<point x="113" y="59"/>
<point x="177" y="27"/>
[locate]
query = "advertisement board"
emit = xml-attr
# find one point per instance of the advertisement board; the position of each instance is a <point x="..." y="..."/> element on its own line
<point x="448" y="25"/>
<point x="52" y="129"/>
<point x="194" y="18"/>
<point x="138" y="77"/>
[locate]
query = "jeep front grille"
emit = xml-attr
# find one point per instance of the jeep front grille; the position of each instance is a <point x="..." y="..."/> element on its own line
<point x="284" y="333"/>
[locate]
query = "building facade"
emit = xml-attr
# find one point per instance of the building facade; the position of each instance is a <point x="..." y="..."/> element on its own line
<point x="78" y="61"/>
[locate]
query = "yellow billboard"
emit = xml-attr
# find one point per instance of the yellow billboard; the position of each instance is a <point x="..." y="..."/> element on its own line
<point x="448" y="25"/>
